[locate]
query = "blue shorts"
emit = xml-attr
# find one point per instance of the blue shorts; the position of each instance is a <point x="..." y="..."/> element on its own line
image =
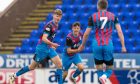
<point x="43" y="52"/>
<point x="68" y="60"/>
<point x="104" y="52"/>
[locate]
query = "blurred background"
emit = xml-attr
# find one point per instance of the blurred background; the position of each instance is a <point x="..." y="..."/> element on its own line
<point x="22" y="23"/>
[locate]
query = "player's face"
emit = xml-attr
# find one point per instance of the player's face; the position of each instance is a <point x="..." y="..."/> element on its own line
<point x="57" y="18"/>
<point x="76" y="29"/>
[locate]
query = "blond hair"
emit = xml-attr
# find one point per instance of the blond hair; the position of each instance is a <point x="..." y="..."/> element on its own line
<point x="58" y="12"/>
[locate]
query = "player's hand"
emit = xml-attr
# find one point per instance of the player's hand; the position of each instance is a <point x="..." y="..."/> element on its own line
<point x="55" y="45"/>
<point x="124" y="50"/>
<point x="81" y="47"/>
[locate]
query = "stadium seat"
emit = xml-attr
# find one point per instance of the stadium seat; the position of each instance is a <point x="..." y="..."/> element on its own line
<point x="78" y="2"/>
<point x="59" y="7"/>
<point x="115" y="8"/>
<point x="49" y="17"/>
<point x="128" y="12"/>
<point x="41" y="25"/>
<point x="70" y="9"/>
<point x="17" y="50"/>
<point x="73" y="18"/>
<point x="34" y="41"/>
<point x="26" y="41"/>
<point x="67" y="2"/>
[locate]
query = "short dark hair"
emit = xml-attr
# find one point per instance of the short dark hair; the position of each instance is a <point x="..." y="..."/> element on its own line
<point x="76" y="24"/>
<point x="58" y="11"/>
<point x="103" y="4"/>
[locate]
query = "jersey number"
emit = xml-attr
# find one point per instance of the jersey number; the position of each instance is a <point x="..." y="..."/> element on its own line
<point x="104" y="19"/>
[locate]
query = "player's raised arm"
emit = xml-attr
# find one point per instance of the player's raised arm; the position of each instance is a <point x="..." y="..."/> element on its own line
<point x="120" y="34"/>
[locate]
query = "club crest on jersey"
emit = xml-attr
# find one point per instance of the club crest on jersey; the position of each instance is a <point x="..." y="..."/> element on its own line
<point x="80" y="38"/>
<point x="48" y="29"/>
<point x="75" y="46"/>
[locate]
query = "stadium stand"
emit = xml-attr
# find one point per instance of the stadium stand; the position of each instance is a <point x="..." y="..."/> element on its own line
<point x="27" y="25"/>
<point x="79" y="10"/>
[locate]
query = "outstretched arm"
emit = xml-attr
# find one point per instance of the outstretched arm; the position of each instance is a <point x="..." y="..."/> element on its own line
<point x="121" y="36"/>
<point x="87" y="32"/>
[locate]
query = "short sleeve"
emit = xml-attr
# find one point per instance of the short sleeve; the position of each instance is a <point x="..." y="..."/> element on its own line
<point x="116" y="21"/>
<point x="47" y="29"/>
<point x="90" y="22"/>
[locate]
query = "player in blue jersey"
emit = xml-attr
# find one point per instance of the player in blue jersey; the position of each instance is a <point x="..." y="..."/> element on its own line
<point x="46" y="47"/>
<point x="70" y="55"/>
<point x="103" y="23"/>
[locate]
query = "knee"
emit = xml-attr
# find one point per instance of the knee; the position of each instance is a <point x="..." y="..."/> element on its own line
<point x="31" y="68"/>
<point x="65" y="74"/>
<point x="59" y="65"/>
<point x="81" y="67"/>
<point x="99" y="67"/>
<point x="109" y="67"/>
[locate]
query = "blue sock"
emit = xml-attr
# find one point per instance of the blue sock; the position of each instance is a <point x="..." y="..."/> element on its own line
<point x="22" y="71"/>
<point x="108" y="72"/>
<point x="77" y="72"/>
<point x="59" y="76"/>
<point x="100" y="73"/>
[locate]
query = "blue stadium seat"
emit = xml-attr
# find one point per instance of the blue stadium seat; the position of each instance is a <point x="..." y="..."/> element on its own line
<point x="49" y="17"/>
<point x="115" y="8"/>
<point x="70" y="9"/>
<point x="120" y="16"/>
<point x="128" y="12"/>
<point x="124" y="25"/>
<point x="138" y="15"/>
<point x="81" y="9"/>
<point x="129" y="41"/>
<point x="77" y="2"/>
<point x="24" y="48"/>
<point x="17" y="50"/>
<point x="92" y="9"/>
<point x="35" y="34"/>
<point x="26" y="41"/>
<point x="117" y="49"/>
<point x="137" y="7"/>
<point x="34" y="41"/>
<point x="64" y="8"/>
<point x="127" y="7"/>
<point x="73" y="18"/>
<point x="31" y="50"/>
<point x="58" y="6"/>
<point x="67" y="2"/>
<point x="130" y="48"/>
<point x="41" y="25"/>
<point x="137" y="41"/>
<point x="89" y="2"/>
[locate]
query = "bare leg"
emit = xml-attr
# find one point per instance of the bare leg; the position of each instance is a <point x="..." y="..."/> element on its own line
<point x="56" y="60"/>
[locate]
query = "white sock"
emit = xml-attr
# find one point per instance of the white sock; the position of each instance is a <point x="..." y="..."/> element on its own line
<point x="15" y="75"/>
<point x="104" y="76"/>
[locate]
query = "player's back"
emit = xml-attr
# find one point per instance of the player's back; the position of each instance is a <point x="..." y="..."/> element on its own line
<point x="104" y="22"/>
